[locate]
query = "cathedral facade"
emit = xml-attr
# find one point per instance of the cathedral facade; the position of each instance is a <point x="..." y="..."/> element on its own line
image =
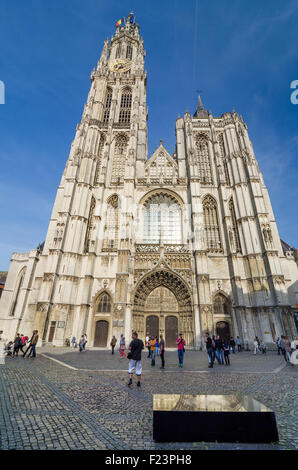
<point x="184" y="242"/>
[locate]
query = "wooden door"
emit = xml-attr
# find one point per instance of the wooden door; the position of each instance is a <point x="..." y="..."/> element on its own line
<point x="171" y="331"/>
<point x="223" y="330"/>
<point x="101" y="334"/>
<point x="52" y="331"/>
<point x="152" y="325"/>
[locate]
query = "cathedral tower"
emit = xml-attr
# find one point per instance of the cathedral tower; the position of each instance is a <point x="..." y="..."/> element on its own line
<point x="174" y="242"/>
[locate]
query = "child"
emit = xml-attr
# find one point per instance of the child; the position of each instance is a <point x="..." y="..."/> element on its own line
<point x="122" y="347"/>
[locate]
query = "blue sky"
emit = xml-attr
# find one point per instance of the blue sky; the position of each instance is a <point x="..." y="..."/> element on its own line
<point x="242" y="55"/>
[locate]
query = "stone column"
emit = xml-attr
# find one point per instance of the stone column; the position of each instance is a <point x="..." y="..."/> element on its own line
<point x="197" y="324"/>
<point x="128" y="325"/>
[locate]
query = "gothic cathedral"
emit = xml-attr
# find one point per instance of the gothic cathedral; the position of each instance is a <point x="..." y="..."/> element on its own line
<point x="184" y="242"/>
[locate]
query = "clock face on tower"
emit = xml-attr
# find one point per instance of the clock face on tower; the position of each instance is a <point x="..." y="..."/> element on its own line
<point x="119" y="65"/>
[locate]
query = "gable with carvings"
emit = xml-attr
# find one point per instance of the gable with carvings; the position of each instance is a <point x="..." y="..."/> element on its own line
<point x="161" y="168"/>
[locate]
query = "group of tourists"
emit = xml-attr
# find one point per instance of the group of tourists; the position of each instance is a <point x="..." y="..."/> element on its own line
<point x="12" y="348"/>
<point x="259" y="346"/>
<point x="156" y="347"/>
<point x="82" y="342"/>
<point x="220" y="349"/>
<point x="286" y="347"/>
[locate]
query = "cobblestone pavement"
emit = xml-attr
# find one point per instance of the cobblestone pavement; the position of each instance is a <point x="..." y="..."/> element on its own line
<point x="45" y="405"/>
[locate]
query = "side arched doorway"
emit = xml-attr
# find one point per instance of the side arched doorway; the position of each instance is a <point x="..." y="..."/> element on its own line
<point x="223" y="330"/>
<point x="152" y="325"/>
<point x="171" y="331"/>
<point x="101" y="334"/>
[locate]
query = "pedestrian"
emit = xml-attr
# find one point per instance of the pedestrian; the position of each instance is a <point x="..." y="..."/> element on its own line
<point x="209" y="348"/>
<point x="226" y="349"/>
<point x="162" y="351"/>
<point x="120" y="342"/>
<point x="238" y="342"/>
<point x="147" y="344"/>
<point x="219" y="350"/>
<point x="22" y="343"/>
<point x="30" y="342"/>
<point x="288" y="350"/>
<point x="113" y="343"/>
<point x="157" y="346"/>
<point x="85" y="342"/>
<point x="74" y="342"/>
<point x="153" y="350"/>
<point x="81" y="343"/>
<point x="233" y="344"/>
<point x="262" y="347"/>
<point x="135" y="358"/>
<point x="123" y="348"/>
<point x="256" y="345"/>
<point x="277" y="342"/>
<point x="17" y="344"/>
<point x="34" y="341"/>
<point x="181" y="348"/>
<point x="282" y="346"/>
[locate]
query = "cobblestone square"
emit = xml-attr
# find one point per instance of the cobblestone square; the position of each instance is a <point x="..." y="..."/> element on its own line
<point x="66" y="400"/>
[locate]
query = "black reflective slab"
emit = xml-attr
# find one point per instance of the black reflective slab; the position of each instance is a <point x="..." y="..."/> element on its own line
<point x="210" y="418"/>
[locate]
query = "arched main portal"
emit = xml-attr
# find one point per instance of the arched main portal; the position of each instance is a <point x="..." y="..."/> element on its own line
<point x="164" y="294"/>
<point x="161" y="305"/>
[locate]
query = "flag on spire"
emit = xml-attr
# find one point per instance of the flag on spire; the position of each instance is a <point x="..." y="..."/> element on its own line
<point x="120" y="22"/>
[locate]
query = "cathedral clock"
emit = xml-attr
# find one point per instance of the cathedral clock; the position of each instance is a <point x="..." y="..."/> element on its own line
<point x="120" y="65"/>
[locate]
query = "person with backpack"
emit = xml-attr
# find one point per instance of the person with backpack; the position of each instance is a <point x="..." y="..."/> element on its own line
<point x="135" y="359"/>
<point x="181" y="349"/>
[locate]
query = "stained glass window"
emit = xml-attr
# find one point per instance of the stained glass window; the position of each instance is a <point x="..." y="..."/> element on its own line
<point x="162" y="220"/>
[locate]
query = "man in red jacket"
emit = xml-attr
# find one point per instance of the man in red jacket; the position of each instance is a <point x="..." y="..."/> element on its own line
<point x="181" y="349"/>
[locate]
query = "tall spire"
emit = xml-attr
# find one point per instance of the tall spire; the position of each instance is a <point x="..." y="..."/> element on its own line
<point x="201" y="111"/>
